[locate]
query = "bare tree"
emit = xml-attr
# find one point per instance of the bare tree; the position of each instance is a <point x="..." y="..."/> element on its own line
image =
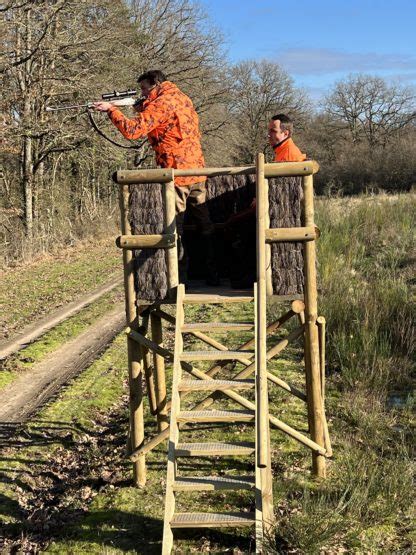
<point x="371" y="109"/>
<point x="258" y="90"/>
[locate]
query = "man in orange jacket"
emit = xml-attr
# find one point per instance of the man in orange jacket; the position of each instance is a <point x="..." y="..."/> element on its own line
<point x="280" y="139"/>
<point x="244" y="222"/>
<point x="168" y="118"/>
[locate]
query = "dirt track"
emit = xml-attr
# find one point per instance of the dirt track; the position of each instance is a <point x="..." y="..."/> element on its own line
<point x="20" y="399"/>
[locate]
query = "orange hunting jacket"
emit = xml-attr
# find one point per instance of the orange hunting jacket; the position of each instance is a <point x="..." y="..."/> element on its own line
<point x="287" y="151"/>
<point x="171" y="124"/>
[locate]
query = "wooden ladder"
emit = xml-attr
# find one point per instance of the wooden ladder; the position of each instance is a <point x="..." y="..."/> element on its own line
<point x="176" y="483"/>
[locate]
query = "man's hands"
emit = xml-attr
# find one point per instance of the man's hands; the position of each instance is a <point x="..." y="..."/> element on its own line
<point x="102" y="106"/>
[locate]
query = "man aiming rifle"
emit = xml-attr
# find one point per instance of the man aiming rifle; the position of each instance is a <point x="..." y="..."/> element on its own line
<point x="168" y="118"/>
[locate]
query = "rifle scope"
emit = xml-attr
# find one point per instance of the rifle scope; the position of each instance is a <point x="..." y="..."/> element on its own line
<point x="118" y="94"/>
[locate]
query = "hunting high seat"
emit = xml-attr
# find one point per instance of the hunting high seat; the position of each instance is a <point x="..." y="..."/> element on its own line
<point x="285" y="262"/>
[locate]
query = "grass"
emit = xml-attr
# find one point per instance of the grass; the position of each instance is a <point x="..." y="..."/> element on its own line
<point x="30" y="292"/>
<point x="23" y="360"/>
<point x="71" y="490"/>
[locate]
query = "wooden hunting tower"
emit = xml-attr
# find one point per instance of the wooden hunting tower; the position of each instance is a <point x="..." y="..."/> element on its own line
<point x="284" y="236"/>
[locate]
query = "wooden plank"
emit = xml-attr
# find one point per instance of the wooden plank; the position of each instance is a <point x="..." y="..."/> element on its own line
<point x="163" y="175"/>
<point x="216" y="416"/>
<point x="212" y="520"/>
<point x="160" y="241"/>
<point x="291" y="234"/>
<point x="214" y="449"/>
<point x="213" y="483"/>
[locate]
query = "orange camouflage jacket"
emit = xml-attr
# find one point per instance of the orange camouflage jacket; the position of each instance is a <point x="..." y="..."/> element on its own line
<point x="168" y="118"/>
<point x="287" y="151"/>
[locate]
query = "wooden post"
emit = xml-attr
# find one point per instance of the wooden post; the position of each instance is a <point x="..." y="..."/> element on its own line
<point x="133" y="350"/>
<point x="312" y="362"/>
<point x="169" y="214"/>
<point x="262" y="400"/>
<point x="269" y="280"/>
<point x="321" y="327"/>
<point x="159" y="366"/>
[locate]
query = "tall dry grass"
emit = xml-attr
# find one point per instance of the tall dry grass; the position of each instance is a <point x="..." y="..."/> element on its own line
<point x="366" y="256"/>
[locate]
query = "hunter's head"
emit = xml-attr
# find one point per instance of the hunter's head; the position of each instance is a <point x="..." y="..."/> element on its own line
<point x="280" y="128"/>
<point x="149" y="80"/>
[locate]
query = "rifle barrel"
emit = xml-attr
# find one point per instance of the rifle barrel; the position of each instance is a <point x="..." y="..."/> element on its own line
<point x="73" y="107"/>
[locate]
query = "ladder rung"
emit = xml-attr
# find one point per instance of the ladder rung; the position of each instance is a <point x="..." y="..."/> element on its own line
<point x="215" y="355"/>
<point x="210" y="483"/>
<point x="216" y="416"/>
<point x="218" y="326"/>
<point x="214" y="385"/>
<point x="212" y="520"/>
<point x="214" y="449"/>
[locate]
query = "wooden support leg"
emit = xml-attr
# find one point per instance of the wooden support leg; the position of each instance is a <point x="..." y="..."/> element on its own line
<point x="312" y="362"/>
<point x="133" y="350"/>
<point x="321" y="327"/>
<point x="159" y="365"/>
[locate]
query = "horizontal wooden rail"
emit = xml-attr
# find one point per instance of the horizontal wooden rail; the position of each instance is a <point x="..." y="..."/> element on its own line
<point x="291" y="234"/>
<point x="164" y="175"/>
<point x="166" y="241"/>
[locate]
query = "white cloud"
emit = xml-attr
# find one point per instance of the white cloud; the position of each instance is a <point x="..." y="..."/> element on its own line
<point x="321" y="61"/>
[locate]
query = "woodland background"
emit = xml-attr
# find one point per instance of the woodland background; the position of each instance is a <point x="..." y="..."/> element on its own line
<point x="55" y="171"/>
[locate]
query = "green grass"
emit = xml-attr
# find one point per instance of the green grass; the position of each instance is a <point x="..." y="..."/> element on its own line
<point x="23" y="360"/>
<point x="73" y="492"/>
<point x="29" y="292"/>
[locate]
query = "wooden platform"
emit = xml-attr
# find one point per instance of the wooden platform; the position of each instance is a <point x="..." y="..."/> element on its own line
<point x="197" y="292"/>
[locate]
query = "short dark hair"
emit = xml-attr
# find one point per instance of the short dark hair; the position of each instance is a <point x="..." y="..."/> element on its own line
<point x="286" y="124"/>
<point x="154" y="76"/>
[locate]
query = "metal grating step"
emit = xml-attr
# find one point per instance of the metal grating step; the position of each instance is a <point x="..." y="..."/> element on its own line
<point x="214" y="385"/>
<point x="214" y="449"/>
<point x="210" y="483"/>
<point x="215" y="355"/>
<point x="212" y="520"/>
<point x="216" y="416"/>
<point x="218" y="326"/>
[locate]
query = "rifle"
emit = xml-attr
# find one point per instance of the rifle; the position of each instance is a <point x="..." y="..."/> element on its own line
<point x="117" y="98"/>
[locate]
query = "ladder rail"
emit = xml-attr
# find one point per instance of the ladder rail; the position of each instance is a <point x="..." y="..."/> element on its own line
<point x="174" y="429"/>
<point x="263" y="462"/>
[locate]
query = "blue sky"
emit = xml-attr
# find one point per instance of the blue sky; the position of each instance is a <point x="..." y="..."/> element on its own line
<point x="319" y="42"/>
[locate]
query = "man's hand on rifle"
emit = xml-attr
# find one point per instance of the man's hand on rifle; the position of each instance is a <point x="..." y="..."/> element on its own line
<point x="102" y="106"/>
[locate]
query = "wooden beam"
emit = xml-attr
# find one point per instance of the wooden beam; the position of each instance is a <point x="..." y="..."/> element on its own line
<point x="159" y="365"/>
<point x="142" y="340"/>
<point x="159" y="241"/>
<point x="213" y="371"/>
<point x="291" y="234"/>
<point x="169" y="228"/>
<point x="312" y="362"/>
<point x="164" y="175"/>
<point x="133" y="350"/>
